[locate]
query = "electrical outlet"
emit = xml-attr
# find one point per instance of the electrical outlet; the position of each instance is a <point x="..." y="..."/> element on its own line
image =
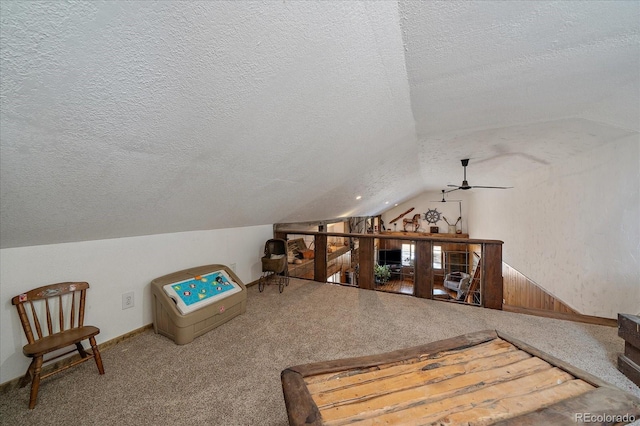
<point x="127" y="300"/>
<point x="233" y="267"/>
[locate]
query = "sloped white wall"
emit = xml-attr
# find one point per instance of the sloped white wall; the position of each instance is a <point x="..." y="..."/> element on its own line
<point x="573" y="228"/>
<point x="156" y="111"/>
<point x="113" y="267"/>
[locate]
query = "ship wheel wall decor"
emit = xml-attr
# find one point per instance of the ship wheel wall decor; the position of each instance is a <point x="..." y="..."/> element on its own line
<point x="432" y="216"/>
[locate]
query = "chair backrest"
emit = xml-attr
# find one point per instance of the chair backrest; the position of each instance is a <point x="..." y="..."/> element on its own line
<point x="52" y="309"/>
<point x="275" y="246"/>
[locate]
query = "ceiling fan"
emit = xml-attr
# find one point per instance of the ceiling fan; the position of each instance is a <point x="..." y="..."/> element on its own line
<point x="443" y="200"/>
<point x="465" y="185"/>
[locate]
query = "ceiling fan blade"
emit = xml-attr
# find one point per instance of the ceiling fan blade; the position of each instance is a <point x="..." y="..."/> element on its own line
<point x="492" y="187"/>
<point x="465" y="184"/>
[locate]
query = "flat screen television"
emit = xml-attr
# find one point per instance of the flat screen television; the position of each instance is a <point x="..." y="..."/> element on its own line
<point x="390" y="257"/>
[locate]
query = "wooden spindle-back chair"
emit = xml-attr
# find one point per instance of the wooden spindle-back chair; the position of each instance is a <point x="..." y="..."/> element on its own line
<point x="56" y="313"/>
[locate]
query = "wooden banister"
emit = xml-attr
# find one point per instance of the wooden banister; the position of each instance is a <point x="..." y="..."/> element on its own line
<point x="491" y="280"/>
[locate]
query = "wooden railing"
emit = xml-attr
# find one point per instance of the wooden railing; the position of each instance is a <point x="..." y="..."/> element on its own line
<point x="491" y="286"/>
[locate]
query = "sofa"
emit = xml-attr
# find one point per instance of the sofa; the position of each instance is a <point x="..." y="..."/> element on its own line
<point x="458" y="282"/>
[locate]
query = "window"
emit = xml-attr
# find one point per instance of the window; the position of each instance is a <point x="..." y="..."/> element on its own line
<point x="335" y="278"/>
<point x="437" y="257"/>
<point x="409" y="251"/>
<point x="408" y="254"/>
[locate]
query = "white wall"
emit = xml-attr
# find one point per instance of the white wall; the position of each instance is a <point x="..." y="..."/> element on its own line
<point x="113" y="267"/>
<point x="574" y="228"/>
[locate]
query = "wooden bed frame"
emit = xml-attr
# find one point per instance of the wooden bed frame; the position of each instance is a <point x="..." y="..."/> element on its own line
<point x="485" y="377"/>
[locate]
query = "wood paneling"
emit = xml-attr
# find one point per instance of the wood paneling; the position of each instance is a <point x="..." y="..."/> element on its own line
<point x="519" y="291"/>
<point x="389" y="244"/>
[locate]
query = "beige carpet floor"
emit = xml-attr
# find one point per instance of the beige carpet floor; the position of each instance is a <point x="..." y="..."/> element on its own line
<point x="231" y="376"/>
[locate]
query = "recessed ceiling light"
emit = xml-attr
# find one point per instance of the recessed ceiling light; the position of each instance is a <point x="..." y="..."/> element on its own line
<point x="396" y="204"/>
<point x="386" y="202"/>
<point x="358" y="197"/>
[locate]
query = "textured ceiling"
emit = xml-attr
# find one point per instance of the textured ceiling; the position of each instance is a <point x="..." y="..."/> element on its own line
<point x="132" y="118"/>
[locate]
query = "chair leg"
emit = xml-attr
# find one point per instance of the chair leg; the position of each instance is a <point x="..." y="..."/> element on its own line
<point x="35" y="384"/>
<point x="28" y="376"/>
<point x="96" y="354"/>
<point x="81" y="350"/>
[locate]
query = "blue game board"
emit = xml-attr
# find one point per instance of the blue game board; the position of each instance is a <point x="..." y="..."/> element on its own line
<point x="202" y="290"/>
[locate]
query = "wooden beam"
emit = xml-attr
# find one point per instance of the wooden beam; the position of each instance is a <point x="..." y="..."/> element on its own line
<point x="423" y="270"/>
<point x="561" y="315"/>
<point x="492" y="281"/>
<point x="320" y="258"/>
<point x="365" y="275"/>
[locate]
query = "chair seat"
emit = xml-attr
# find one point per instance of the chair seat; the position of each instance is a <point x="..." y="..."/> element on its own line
<point x="59" y="340"/>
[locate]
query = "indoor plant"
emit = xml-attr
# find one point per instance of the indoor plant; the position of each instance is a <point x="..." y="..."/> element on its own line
<point x="382" y="273"/>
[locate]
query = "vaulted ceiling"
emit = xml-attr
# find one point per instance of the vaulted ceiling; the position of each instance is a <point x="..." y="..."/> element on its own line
<point x="133" y="118"/>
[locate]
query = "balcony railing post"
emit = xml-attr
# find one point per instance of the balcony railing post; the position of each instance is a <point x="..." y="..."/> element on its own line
<point x="492" y="280"/>
<point x="366" y="278"/>
<point x="423" y="270"/>
<point x="320" y="258"/>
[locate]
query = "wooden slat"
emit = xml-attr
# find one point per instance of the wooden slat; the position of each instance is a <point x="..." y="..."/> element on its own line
<point x="329" y="381"/>
<point x="488" y="412"/>
<point x="60" y="313"/>
<point x="464" y="393"/>
<point x="73" y="309"/>
<point x="414" y="379"/>
<point x="574" y="371"/>
<point x="604" y="400"/>
<point x="36" y="320"/>
<point x="459" y="342"/>
<point x="375" y="405"/>
<point x="83" y="294"/>
<point x="49" y="321"/>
